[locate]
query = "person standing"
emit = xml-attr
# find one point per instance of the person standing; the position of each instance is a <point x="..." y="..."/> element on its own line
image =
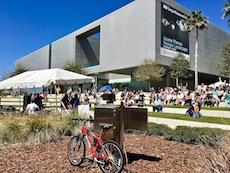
<point x="75" y="101"/>
<point x="38" y="101"/>
<point x="65" y="101"/>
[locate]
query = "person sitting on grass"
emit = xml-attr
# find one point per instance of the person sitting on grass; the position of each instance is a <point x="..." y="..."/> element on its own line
<point x="157" y="104"/>
<point x="227" y="99"/>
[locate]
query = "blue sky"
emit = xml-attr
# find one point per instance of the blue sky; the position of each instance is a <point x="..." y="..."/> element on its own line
<point x="27" y="25"/>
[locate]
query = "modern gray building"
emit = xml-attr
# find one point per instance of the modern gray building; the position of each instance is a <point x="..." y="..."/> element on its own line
<point x="118" y="42"/>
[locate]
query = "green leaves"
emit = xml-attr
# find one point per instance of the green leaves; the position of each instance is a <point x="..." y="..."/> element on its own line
<point x="196" y="19"/>
<point x="180" y="67"/>
<point x="149" y="70"/>
<point x="226" y="7"/>
<point x="74" y="66"/>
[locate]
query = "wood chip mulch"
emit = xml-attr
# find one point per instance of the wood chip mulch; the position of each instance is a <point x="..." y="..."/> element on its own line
<point x="147" y="154"/>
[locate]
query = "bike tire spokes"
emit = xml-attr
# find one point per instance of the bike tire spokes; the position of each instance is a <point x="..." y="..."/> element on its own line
<point x="76" y="151"/>
<point x="115" y="161"/>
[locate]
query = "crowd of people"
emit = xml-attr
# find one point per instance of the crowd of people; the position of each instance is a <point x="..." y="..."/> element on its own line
<point x="73" y="98"/>
<point x="158" y="98"/>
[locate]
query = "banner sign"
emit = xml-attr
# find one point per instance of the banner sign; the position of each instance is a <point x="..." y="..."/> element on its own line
<point x="174" y="36"/>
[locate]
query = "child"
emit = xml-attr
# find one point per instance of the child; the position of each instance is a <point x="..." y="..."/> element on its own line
<point x="196" y="113"/>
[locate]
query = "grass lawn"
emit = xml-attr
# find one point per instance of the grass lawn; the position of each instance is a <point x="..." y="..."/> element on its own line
<point x="216" y="120"/>
<point x="204" y="108"/>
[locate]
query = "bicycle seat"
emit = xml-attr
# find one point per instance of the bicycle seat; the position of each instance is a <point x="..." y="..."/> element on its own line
<point x="105" y="125"/>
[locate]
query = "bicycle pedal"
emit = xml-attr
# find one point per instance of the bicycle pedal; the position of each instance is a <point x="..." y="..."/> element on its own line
<point x="88" y="157"/>
<point x="98" y="161"/>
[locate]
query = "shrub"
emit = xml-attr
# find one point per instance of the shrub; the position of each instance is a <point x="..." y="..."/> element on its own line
<point x="37" y="128"/>
<point x="153" y="130"/>
<point x="189" y="135"/>
<point x="217" y="159"/>
<point x="158" y="129"/>
<point x="71" y="127"/>
<point x="133" y="131"/>
<point x="40" y="131"/>
<point x="50" y="127"/>
<point x="11" y="132"/>
<point x="184" y="134"/>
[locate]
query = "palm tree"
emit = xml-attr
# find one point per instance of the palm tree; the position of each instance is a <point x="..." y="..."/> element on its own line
<point x="199" y="22"/>
<point x="226" y="7"/>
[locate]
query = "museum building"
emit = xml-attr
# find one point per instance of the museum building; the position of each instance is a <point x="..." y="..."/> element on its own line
<point x="113" y="46"/>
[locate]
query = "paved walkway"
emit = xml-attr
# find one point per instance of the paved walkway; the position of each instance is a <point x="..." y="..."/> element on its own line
<point x="172" y="123"/>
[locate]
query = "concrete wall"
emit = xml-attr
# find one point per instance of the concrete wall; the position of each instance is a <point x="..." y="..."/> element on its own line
<point x="127" y="36"/>
<point x="36" y="60"/>
<point x="124" y="38"/>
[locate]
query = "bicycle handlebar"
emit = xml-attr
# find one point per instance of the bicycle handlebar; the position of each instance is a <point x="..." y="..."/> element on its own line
<point x="90" y="119"/>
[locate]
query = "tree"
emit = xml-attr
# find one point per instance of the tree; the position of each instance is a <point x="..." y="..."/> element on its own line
<point x="5" y="74"/>
<point x="180" y="68"/>
<point x="74" y="66"/>
<point x="226" y="7"/>
<point x="198" y="21"/>
<point x="18" y="70"/>
<point x="149" y="71"/>
<point x="224" y="65"/>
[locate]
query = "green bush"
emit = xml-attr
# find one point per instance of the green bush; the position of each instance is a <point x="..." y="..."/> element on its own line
<point x="158" y="129"/>
<point x="133" y="131"/>
<point x="40" y="131"/>
<point x="184" y="134"/>
<point x="153" y="130"/>
<point x="71" y="127"/>
<point x="37" y="128"/>
<point x="189" y="135"/>
<point x="11" y="132"/>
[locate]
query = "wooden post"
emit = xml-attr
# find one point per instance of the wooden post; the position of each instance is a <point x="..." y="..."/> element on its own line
<point x="122" y="123"/>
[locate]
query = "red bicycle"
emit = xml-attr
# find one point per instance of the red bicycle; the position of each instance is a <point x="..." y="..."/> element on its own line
<point x="108" y="154"/>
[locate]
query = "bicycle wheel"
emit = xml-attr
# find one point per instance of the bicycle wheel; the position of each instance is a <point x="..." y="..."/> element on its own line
<point x="76" y="150"/>
<point x="115" y="163"/>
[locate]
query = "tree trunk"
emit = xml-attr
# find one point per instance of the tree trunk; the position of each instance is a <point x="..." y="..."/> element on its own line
<point x="149" y="85"/>
<point x="196" y="57"/>
<point x="177" y="82"/>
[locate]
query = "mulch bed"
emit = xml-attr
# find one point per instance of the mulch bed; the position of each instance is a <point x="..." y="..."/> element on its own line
<point x="147" y="154"/>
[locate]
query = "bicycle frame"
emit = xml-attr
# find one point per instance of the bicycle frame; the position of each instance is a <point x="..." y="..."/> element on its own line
<point x="107" y="153"/>
<point x="99" y="141"/>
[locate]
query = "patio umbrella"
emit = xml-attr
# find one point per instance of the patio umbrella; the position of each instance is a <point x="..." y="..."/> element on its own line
<point x="106" y="88"/>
